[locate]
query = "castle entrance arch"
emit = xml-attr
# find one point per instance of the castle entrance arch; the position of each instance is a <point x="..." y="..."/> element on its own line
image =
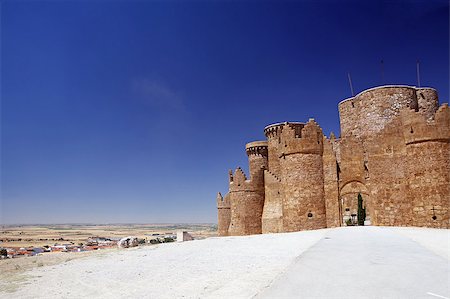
<point x="349" y="200"/>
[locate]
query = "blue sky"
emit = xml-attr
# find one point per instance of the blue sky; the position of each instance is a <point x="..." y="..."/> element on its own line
<point x="133" y="111"/>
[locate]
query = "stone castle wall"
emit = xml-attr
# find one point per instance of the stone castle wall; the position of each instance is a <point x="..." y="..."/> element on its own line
<point x="331" y="185"/>
<point x="394" y="150"/>
<point x="428" y="167"/>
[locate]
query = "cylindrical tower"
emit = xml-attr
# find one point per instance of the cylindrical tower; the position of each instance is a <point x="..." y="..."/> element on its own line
<point x="302" y="178"/>
<point x="223" y="214"/>
<point x="257" y="160"/>
<point x="369" y="111"/>
<point x="247" y="196"/>
<point x="273" y="133"/>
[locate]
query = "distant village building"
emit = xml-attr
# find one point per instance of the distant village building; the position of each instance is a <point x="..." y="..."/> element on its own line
<point x="394" y="151"/>
<point x="184" y="236"/>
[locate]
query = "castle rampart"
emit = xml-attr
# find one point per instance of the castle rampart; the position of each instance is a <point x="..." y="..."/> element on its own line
<point x="247" y="196"/>
<point x="394" y="151"/>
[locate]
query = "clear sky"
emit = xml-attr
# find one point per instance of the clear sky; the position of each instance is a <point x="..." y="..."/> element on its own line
<point x="122" y="111"/>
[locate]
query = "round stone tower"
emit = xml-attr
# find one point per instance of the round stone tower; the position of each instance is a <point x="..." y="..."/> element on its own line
<point x="247" y="196"/>
<point x="273" y="134"/>
<point x="223" y="214"/>
<point x="257" y="153"/>
<point x="302" y="178"/>
<point x="370" y="111"/>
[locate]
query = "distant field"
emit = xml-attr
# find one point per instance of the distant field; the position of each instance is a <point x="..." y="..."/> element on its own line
<point x="40" y="235"/>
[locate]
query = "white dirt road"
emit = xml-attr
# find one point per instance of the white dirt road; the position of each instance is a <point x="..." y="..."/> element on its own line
<point x="260" y="265"/>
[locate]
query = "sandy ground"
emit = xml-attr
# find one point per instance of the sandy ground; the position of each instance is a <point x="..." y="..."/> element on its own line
<point x="230" y="267"/>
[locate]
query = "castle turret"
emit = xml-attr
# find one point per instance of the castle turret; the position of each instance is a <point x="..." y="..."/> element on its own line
<point x="272" y="221"/>
<point x="223" y="214"/>
<point x="247" y="196"/>
<point x="273" y="134"/>
<point x="302" y="178"/>
<point x="257" y="160"/>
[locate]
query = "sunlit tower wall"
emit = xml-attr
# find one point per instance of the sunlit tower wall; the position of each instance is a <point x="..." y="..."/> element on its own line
<point x="370" y="111"/>
<point x="223" y="214"/>
<point x="247" y="196"/>
<point x="273" y="135"/>
<point x="428" y="166"/>
<point x="427" y="101"/>
<point x="272" y="219"/>
<point x="302" y="178"/>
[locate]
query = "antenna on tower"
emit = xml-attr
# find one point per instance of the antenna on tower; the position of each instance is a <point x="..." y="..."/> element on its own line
<point x="382" y="71"/>
<point x="351" y="85"/>
<point x="418" y="72"/>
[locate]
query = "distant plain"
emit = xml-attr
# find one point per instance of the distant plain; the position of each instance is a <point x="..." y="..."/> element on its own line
<point x="41" y="235"/>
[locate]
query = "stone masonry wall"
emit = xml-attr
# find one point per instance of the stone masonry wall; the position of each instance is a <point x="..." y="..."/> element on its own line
<point x="428" y="166"/>
<point x="302" y="178"/>
<point x="369" y="111"/>
<point x="429" y="183"/>
<point x="428" y="102"/>
<point x="303" y="192"/>
<point x="223" y="214"/>
<point x="247" y="201"/>
<point x="272" y="218"/>
<point x="331" y="190"/>
<point x="273" y="134"/>
<point x="386" y="155"/>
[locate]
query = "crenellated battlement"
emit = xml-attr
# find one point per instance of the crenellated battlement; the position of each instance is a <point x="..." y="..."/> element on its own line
<point x="274" y="130"/>
<point x="418" y="128"/>
<point x="257" y="148"/>
<point x="223" y="202"/>
<point x="239" y="182"/>
<point x="238" y="176"/>
<point x="308" y="141"/>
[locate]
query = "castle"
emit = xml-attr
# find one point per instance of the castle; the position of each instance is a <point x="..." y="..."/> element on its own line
<point x="394" y="151"/>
